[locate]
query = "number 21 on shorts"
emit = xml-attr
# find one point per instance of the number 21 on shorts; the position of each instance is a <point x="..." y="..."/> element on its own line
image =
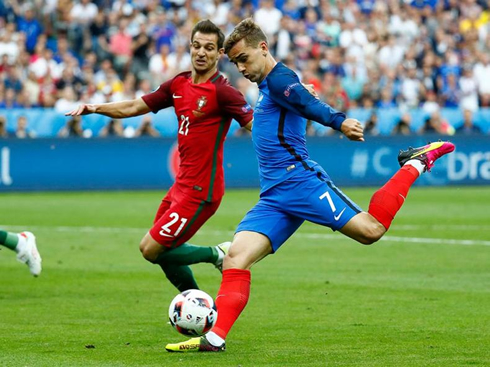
<point x="167" y="232"/>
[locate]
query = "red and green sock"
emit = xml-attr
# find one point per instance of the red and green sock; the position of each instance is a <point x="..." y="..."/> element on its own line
<point x="9" y="240"/>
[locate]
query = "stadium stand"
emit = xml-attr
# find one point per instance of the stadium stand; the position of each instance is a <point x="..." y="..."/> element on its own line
<point x="421" y="57"/>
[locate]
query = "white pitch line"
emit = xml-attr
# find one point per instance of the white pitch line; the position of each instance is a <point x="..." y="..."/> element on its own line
<point x="442" y="227"/>
<point x="417" y="227"/>
<point x="86" y="229"/>
<point x="315" y="236"/>
<point x="400" y="239"/>
<point x="436" y="240"/>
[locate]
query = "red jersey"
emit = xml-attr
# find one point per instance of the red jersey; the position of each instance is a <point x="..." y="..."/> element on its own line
<point x="205" y="112"/>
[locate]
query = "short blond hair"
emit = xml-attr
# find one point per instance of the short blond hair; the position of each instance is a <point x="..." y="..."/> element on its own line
<point x="248" y="30"/>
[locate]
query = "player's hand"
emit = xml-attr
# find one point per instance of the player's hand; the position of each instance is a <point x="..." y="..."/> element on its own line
<point x="353" y="129"/>
<point x="83" y="109"/>
<point x="311" y="88"/>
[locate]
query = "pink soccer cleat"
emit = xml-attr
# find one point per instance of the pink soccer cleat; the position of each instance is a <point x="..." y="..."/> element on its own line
<point x="427" y="154"/>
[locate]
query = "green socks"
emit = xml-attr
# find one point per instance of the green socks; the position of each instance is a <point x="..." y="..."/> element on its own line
<point x="9" y="240"/>
<point x="174" y="264"/>
<point x="180" y="276"/>
<point x="187" y="254"/>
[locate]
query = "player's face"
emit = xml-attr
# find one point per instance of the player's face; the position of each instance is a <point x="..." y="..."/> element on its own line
<point x="204" y="52"/>
<point x="250" y="61"/>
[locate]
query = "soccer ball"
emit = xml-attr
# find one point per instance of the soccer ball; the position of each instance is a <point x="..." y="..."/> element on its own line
<point x="192" y="312"/>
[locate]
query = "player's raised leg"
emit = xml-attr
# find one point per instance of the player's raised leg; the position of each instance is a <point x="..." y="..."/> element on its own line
<point x="369" y="227"/>
<point x="24" y="244"/>
<point x="247" y="249"/>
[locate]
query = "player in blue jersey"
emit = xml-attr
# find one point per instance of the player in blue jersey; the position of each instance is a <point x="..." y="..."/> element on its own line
<point x="293" y="187"/>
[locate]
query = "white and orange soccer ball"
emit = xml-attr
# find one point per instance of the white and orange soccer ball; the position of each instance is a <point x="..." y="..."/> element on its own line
<point x="193" y="312"/>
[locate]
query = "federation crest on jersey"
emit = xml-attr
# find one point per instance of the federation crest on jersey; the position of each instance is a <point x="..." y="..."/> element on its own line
<point x="201" y="102"/>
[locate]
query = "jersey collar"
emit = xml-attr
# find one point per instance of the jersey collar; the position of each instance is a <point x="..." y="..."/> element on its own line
<point x="263" y="84"/>
<point x="211" y="79"/>
<point x="214" y="77"/>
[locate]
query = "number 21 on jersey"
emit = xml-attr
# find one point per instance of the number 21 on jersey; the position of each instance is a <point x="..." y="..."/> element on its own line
<point x="184" y="125"/>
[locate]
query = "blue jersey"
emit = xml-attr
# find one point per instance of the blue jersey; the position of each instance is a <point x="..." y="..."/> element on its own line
<point x="293" y="187"/>
<point x="279" y="127"/>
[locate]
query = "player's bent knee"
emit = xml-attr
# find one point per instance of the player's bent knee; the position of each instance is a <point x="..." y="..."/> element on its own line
<point x="145" y="251"/>
<point x="234" y="260"/>
<point x="366" y="240"/>
<point x="148" y="255"/>
<point x="371" y="234"/>
<point x="150" y="249"/>
<point x="142" y="247"/>
<point x="364" y="228"/>
<point x="247" y="249"/>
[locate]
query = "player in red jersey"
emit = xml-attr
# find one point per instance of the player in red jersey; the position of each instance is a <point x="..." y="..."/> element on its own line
<point x="205" y="104"/>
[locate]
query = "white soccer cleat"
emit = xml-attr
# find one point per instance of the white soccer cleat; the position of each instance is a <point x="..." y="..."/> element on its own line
<point x="28" y="253"/>
<point x="223" y="249"/>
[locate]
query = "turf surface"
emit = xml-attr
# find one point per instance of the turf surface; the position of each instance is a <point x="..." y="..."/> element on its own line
<point x="421" y="297"/>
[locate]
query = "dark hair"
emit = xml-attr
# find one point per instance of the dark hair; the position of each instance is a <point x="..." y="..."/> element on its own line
<point x="207" y="27"/>
<point x="247" y="29"/>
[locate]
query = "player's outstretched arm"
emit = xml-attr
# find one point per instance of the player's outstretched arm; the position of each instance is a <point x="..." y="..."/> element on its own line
<point x="311" y="88"/>
<point x="287" y="91"/>
<point x="83" y="109"/>
<point x="122" y="109"/>
<point x="353" y="129"/>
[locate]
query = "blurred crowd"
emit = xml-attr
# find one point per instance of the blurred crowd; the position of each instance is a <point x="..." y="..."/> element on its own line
<point x="428" y="54"/>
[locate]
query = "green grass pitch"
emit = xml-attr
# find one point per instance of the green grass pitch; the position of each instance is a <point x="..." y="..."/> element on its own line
<point x="420" y="297"/>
